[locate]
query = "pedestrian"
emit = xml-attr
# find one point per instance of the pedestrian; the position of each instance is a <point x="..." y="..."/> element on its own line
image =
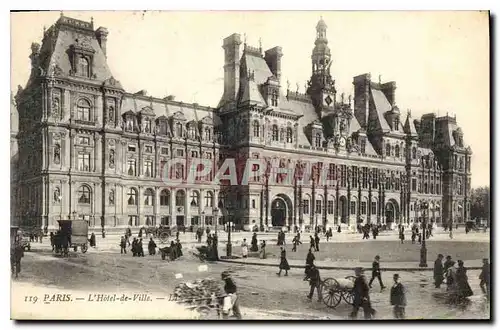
<point x="92" y="240"/>
<point x="398" y="298"/>
<point x="450" y="276"/>
<point x="151" y="247"/>
<point x="263" y="250"/>
<point x="361" y="296"/>
<point x="309" y="261"/>
<point x="339" y="230"/>
<point x="123" y="245"/>
<point x="141" y="248"/>
<point x="312" y="242"/>
<point x="279" y="238"/>
<point x="134" y="248"/>
<point x="283" y="263"/>
<point x="314" y="282"/>
<point x="140" y="232"/>
<point x="173" y="251"/>
<point x="329" y="234"/>
<point x="177" y="235"/>
<point x="316" y="241"/>
<point x="448" y="263"/>
<point x="16" y="254"/>
<point x="413" y="236"/>
<point x="438" y="271"/>
<point x="231" y="301"/>
<point x="294" y="244"/>
<point x="485" y="278"/>
<point x="402" y="236"/>
<point x="463" y="288"/>
<point x="253" y="243"/>
<point x="244" y="248"/>
<point x="376" y="273"/>
<point x="52" y="241"/>
<point x="178" y="246"/>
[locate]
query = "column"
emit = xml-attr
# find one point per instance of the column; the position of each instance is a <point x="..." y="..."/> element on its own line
<point x="187" y="209"/>
<point x="173" y="208"/>
<point x="349" y="175"/>
<point x="139" y="204"/>
<point x="295" y="203"/>
<point x="201" y="207"/>
<point x="337" y="203"/>
<point x="156" y="207"/>
<point x="369" y="206"/>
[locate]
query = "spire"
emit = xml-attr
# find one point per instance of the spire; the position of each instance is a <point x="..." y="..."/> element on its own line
<point x="409" y="127"/>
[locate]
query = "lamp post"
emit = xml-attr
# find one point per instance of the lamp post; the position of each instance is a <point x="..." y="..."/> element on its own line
<point x="424" y="206"/>
<point x="229" y="246"/>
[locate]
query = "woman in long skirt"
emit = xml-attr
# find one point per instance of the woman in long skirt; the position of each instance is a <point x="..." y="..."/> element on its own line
<point x="263" y="250"/>
<point x="463" y="288"/>
<point x="283" y="263"/>
<point x="244" y="248"/>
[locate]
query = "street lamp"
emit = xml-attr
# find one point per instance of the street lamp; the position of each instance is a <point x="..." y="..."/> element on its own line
<point x="229" y="246"/>
<point x="424" y="206"/>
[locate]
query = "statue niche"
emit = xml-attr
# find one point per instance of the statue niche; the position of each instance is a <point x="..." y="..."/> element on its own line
<point x="111" y="158"/>
<point x="57" y="154"/>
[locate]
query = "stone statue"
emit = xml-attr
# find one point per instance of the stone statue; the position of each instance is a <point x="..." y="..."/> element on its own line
<point x="111" y="114"/>
<point x="57" y="154"/>
<point x="57" y="194"/>
<point x="111" y="158"/>
<point x="56" y="107"/>
<point x="112" y="197"/>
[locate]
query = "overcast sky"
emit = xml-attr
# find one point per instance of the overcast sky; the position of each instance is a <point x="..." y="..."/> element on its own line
<point x="439" y="60"/>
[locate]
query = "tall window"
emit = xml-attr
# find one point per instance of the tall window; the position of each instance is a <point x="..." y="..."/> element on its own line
<point x="363" y="145"/>
<point x="396" y="124"/>
<point x="414" y="153"/>
<point x="375" y="179"/>
<point x="148" y="168"/>
<point x="363" y="208"/>
<point x="305" y="206"/>
<point x="194" y="154"/>
<point x="365" y="177"/>
<point x="147" y="126"/>
<point x="132" y="196"/>
<point x="318" y="205"/>
<point x="353" y="207"/>
<point x="84" y="195"/>
<point x="195" y="198"/>
<point x="388" y="149"/>
<point x="192" y="132"/>
<point x="330" y="207"/>
<point x="256" y="128"/>
<point x="132" y="167"/>
<point x="317" y="141"/>
<point x="354" y="176"/>
<point x="413" y="184"/>
<point x="275" y="133"/>
<point x="164" y="198"/>
<point x="289" y="135"/>
<point x="84" y="162"/>
<point x="209" y="199"/>
<point x="163" y="127"/>
<point x="83" y="110"/>
<point x="396" y="151"/>
<point x="397" y="184"/>
<point x="374" y="208"/>
<point x="180" y="197"/>
<point x="149" y="197"/>
<point x="208" y="134"/>
<point x="83" y="67"/>
<point x="343" y="175"/>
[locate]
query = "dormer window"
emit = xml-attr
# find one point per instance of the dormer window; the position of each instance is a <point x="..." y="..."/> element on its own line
<point x="317" y="141"/>
<point x="363" y="146"/>
<point x="274" y="99"/>
<point x="192" y="132"/>
<point x="130" y="124"/>
<point x="147" y="126"/>
<point x="83" y="67"/>
<point x="256" y="128"/>
<point x="83" y="110"/>
<point x="396" y="124"/>
<point x="388" y="149"/>
<point x="208" y="134"/>
<point x="163" y="127"/>
<point x="178" y="130"/>
<point x="396" y="151"/>
<point x="275" y="133"/>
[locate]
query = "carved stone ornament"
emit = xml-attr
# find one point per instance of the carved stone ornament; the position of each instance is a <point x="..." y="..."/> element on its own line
<point x="111" y="142"/>
<point x="83" y="42"/>
<point x="56" y="71"/>
<point x="56" y="136"/>
<point x="112" y="197"/>
<point x="57" y="194"/>
<point x="111" y="158"/>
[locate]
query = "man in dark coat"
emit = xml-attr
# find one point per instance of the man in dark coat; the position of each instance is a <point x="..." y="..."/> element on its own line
<point x="254" y="243"/>
<point x="283" y="263"/>
<point x="464" y="289"/>
<point x="16" y="253"/>
<point x="314" y="281"/>
<point x="140" y="248"/>
<point x="316" y="241"/>
<point x="448" y="263"/>
<point x="123" y="245"/>
<point x="485" y="277"/>
<point x="309" y="261"/>
<point x="376" y="273"/>
<point x="92" y="240"/>
<point x="134" y="247"/>
<point x="361" y="293"/>
<point x="398" y="298"/>
<point x="294" y="244"/>
<point x="151" y="247"/>
<point x="438" y="271"/>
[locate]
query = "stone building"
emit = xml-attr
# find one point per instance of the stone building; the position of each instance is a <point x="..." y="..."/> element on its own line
<point x="88" y="149"/>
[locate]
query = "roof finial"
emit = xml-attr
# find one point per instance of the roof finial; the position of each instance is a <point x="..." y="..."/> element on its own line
<point x="297" y="87"/>
<point x="260" y="45"/>
<point x="62" y="13"/>
<point x="92" y="20"/>
<point x="342" y="97"/>
<point x="380" y="79"/>
<point x="409" y="112"/>
<point x="287" y="85"/>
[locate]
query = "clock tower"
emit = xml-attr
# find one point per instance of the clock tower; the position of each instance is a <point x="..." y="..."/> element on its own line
<point x="322" y="86"/>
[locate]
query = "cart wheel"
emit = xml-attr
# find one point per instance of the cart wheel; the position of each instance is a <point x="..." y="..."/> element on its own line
<point x="75" y="248"/>
<point x="348" y="295"/>
<point x="330" y="291"/>
<point x="164" y="237"/>
<point x="84" y="248"/>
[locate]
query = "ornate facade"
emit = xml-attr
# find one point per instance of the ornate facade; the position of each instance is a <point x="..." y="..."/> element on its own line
<point x="85" y="148"/>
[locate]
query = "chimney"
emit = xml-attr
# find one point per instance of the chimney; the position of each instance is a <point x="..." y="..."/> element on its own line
<point x="231" y="46"/>
<point x="362" y="99"/>
<point x="389" y="90"/>
<point x="273" y="59"/>
<point x="102" y="37"/>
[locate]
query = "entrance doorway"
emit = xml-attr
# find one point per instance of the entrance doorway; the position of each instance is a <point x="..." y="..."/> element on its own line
<point x="278" y="213"/>
<point x="179" y="220"/>
<point x="343" y="209"/>
<point x="391" y="211"/>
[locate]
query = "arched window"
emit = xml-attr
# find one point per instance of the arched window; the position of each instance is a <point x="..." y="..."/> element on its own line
<point x="83" y="67"/>
<point x="289" y="135"/>
<point x="149" y="197"/>
<point x="275" y="133"/>
<point x="256" y="128"/>
<point x="192" y="132"/>
<point x="388" y="149"/>
<point x="178" y="130"/>
<point x="209" y="199"/>
<point x="132" y="197"/>
<point x="83" y="110"/>
<point x="396" y="151"/>
<point x="317" y="141"/>
<point x="164" y="198"/>
<point x="195" y="198"/>
<point x="208" y="134"/>
<point x="180" y="198"/>
<point x="414" y="153"/>
<point x="84" y="195"/>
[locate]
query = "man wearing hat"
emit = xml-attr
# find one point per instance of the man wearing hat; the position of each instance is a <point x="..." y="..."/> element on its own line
<point x="231" y="299"/>
<point x="485" y="277"/>
<point x="438" y="271"/>
<point x="376" y="273"/>
<point x="398" y="298"/>
<point x="361" y="295"/>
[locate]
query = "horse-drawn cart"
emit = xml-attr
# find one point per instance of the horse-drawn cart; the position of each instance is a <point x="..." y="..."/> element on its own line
<point x="334" y="290"/>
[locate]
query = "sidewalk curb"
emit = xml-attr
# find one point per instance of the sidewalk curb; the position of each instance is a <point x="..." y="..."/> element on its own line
<point x="338" y="267"/>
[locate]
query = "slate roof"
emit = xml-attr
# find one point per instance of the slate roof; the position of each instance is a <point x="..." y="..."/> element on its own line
<point x="381" y="107"/>
<point x="409" y="127"/>
<point x="250" y="93"/>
